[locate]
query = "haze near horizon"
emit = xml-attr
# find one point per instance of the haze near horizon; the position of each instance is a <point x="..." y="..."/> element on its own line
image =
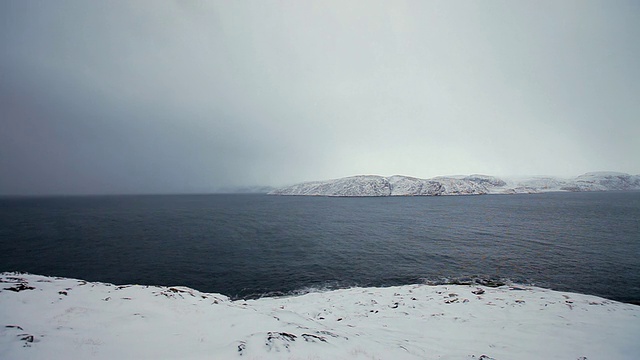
<point x="196" y="96"/>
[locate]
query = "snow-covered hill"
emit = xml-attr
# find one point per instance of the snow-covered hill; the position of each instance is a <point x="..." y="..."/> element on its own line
<point x="56" y="318"/>
<point x="398" y="185"/>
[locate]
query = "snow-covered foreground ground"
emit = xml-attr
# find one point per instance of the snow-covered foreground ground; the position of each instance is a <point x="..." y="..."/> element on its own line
<point x="57" y="318"/>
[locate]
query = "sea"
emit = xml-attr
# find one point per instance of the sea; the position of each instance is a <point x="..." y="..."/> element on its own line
<point x="251" y="246"/>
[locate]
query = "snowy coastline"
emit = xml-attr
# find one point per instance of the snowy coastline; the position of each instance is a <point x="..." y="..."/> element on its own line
<point x="60" y="318"/>
<point x="398" y="185"/>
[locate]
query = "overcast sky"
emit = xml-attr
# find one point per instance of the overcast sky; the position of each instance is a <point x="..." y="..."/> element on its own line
<point x="191" y="96"/>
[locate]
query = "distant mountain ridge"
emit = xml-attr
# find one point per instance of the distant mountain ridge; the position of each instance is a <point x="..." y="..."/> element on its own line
<point x="399" y="185"/>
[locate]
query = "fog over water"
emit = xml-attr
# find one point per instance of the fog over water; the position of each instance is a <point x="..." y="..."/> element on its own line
<point x="196" y="96"/>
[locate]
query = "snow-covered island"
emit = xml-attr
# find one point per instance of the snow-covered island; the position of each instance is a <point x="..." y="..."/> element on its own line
<point x="398" y="185"/>
<point x="59" y="318"/>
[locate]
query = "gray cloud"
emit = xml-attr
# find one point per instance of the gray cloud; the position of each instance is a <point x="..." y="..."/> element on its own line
<point x="189" y="96"/>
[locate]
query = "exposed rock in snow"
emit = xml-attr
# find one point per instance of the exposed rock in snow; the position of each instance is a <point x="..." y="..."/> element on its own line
<point x="362" y="185"/>
<point x="398" y="185"/>
<point x="57" y="318"/>
<point x="608" y="181"/>
<point x="409" y="186"/>
<point x="463" y="186"/>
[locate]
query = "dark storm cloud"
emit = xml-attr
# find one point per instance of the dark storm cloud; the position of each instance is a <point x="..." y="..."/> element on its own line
<point x="125" y="97"/>
<point x="104" y="97"/>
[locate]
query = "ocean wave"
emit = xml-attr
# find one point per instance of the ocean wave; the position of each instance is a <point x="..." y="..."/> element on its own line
<point x="331" y="285"/>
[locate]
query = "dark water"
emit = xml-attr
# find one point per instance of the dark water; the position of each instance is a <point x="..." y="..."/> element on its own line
<point x="251" y="245"/>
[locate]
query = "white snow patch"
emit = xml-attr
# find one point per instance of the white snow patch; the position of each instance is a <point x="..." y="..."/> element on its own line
<point x="58" y="318"/>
